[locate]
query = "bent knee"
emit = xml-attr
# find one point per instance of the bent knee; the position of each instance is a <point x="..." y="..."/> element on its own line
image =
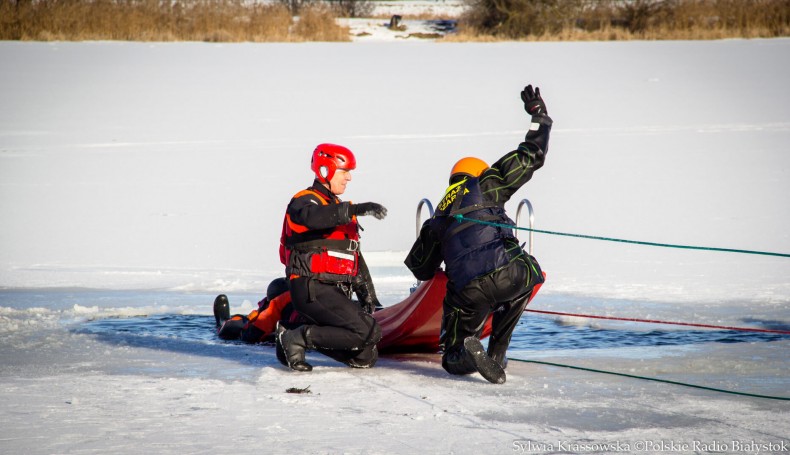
<point x="366" y="359"/>
<point x="369" y="333"/>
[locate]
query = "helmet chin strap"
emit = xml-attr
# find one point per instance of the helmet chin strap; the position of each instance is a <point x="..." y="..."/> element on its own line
<point x="323" y="172"/>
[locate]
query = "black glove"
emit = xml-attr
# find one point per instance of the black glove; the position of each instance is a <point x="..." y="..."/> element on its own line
<point x="533" y="103"/>
<point x="370" y="305"/>
<point x="363" y="288"/>
<point x="369" y="208"/>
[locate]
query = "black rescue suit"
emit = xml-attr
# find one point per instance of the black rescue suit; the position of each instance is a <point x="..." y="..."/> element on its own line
<point x="320" y="250"/>
<point x="487" y="269"/>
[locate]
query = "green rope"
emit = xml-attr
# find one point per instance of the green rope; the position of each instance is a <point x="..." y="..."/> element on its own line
<point x="666" y="245"/>
<point x="461" y="218"/>
<point x="647" y="378"/>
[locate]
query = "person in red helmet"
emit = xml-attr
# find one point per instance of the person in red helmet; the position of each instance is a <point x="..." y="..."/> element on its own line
<point x="488" y="272"/>
<point x="320" y="249"/>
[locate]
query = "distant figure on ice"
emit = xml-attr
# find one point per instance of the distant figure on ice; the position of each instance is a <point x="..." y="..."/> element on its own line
<point x="320" y="250"/>
<point x="258" y="326"/>
<point x="488" y="271"/>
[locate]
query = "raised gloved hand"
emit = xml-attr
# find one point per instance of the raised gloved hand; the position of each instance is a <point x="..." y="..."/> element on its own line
<point x="533" y="103"/>
<point x="369" y="208"/>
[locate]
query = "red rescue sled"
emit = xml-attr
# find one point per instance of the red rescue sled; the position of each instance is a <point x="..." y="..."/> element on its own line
<point x="413" y="325"/>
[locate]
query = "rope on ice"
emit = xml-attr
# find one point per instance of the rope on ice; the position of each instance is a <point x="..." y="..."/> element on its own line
<point x="648" y="378"/>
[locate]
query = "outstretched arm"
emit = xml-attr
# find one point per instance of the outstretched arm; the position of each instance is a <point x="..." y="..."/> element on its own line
<point x="512" y="171"/>
<point x="309" y="212"/>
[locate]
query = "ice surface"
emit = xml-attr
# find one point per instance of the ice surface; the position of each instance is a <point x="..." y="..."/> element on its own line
<point x="138" y="180"/>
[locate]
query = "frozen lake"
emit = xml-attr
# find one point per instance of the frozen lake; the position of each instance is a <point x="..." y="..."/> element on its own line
<point x="139" y="180"/>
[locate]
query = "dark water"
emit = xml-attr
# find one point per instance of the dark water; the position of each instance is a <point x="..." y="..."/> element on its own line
<point x="168" y="326"/>
<point x="541" y="333"/>
<point x="533" y="332"/>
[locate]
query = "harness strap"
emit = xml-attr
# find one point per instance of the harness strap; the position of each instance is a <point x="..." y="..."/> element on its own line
<point x="332" y="244"/>
<point x="473" y="207"/>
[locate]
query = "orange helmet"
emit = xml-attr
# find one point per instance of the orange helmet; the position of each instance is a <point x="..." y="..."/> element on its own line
<point x="470" y="166"/>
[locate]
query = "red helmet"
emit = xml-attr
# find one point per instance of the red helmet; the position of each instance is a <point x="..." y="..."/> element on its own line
<point x="327" y="158"/>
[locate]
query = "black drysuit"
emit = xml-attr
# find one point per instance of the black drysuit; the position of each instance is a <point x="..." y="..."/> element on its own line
<point x="487" y="269"/>
<point x="339" y="327"/>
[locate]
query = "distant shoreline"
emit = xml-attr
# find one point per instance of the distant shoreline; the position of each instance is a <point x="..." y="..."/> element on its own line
<point x="479" y="21"/>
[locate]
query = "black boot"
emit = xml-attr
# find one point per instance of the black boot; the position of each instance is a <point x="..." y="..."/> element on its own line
<point x="221" y="309"/>
<point x="278" y="347"/>
<point x="457" y="361"/>
<point x="498" y="352"/>
<point x="491" y="370"/>
<point x="501" y="359"/>
<point x="294" y="343"/>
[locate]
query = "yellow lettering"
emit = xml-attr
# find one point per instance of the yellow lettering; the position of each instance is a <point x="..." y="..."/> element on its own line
<point x="451" y="194"/>
<point x="449" y="198"/>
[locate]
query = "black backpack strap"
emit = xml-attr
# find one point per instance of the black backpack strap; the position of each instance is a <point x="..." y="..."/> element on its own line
<point x="331" y="244"/>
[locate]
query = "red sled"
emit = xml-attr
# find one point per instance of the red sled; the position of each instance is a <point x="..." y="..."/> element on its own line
<point x="413" y="325"/>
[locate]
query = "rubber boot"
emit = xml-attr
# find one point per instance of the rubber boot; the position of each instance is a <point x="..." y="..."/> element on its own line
<point x="457" y="361"/>
<point x="278" y="347"/>
<point x="498" y="353"/>
<point x="221" y="309"/>
<point x="294" y="343"/>
<point x="491" y="370"/>
<point x="501" y="359"/>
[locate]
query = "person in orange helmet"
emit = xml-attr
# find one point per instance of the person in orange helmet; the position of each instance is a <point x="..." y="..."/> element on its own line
<point x="488" y="271"/>
<point x="320" y="248"/>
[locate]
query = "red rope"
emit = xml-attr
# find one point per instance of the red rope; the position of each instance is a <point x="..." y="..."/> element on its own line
<point x="743" y="329"/>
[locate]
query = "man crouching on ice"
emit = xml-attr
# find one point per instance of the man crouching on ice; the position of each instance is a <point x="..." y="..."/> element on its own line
<point x="488" y="271"/>
<point x="320" y="249"/>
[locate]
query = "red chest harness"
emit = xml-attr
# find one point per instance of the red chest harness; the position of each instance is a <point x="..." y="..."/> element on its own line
<point x="331" y="257"/>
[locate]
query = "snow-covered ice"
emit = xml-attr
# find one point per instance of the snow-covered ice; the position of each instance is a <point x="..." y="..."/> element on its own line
<point x="138" y="180"/>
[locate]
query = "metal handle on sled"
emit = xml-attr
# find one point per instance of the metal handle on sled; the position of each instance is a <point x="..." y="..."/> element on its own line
<point x="531" y="220"/>
<point x="422" y="202"/>
<point x="521" y="205"/>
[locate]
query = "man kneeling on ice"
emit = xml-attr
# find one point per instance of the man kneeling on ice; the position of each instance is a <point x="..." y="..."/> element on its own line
<point x="488" y="271"/>
<point x="320" y="248"/>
